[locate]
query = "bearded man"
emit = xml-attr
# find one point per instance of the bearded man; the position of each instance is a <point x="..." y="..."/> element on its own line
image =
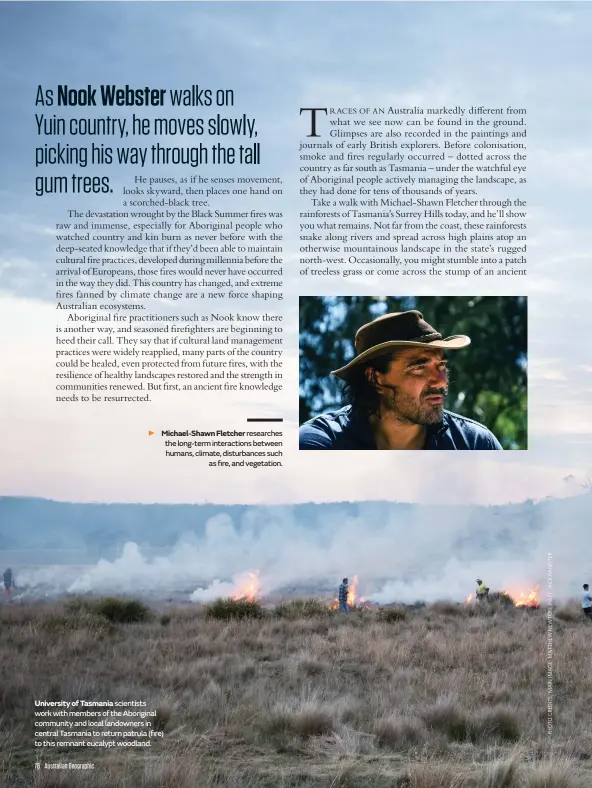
<point x="397" y="383"/>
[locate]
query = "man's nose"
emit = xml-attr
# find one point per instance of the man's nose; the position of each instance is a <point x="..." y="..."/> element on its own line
<point x="438" y="374"/>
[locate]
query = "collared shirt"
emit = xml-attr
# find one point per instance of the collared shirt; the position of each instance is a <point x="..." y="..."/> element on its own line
<point x="342" y="594"/>
<point x="343" y="429"/>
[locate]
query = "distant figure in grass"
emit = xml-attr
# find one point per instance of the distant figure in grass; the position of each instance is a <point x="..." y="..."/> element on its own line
<point x="343" y="588"/>
<point x="8" y="581"/>
<point x="482" y="591"/>
<point x="587" y="601"/>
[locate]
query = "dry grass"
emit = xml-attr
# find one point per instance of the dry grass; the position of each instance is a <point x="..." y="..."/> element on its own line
<point x="500" y="774"/>
<point x="437" y="697"/>
<point x="302" y="608"/>
<point x="571" y="611"/>
<point x="390" y="615"/>
<point x="399" y="733"/>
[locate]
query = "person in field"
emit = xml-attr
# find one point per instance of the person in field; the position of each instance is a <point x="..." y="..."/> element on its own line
<point x="8" y="578"/>
<point x="343" y="589"/>
<point x="482" y="591"/>
<point x="587" y="601"/>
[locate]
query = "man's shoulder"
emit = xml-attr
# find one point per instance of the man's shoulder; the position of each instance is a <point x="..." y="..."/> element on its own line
<point x="322" y="431"/>
<point x="456" y="417"/>
<point x="483" y="437"/>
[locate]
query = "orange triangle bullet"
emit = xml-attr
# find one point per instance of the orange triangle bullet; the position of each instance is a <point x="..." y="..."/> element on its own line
<point x="150" y="432"/>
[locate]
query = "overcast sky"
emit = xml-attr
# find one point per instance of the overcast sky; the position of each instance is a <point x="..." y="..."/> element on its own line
<point x="278" y="57"/>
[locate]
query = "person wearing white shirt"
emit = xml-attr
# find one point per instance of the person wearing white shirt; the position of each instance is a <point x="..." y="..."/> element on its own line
<point x="587" y="601"/>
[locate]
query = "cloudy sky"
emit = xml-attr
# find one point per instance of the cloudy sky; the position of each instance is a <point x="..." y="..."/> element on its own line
<point x="278" y="57"/>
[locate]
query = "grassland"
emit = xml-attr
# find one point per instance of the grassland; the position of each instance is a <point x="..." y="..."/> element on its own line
<point x="440" y="697"/>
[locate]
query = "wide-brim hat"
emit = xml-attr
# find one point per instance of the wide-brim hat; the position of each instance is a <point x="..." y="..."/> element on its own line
<point x="397" y="329"/>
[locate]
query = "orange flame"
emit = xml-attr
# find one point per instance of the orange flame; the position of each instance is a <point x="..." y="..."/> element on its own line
<point x="248" y="587"/>
<point x="527" y="598"/>
<point x="352" y="599"/>
<point x="351" y="592"/>
<point x="521" y="598"/>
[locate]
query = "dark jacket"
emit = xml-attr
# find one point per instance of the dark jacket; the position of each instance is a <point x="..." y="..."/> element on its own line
<point x="343" y="429"/>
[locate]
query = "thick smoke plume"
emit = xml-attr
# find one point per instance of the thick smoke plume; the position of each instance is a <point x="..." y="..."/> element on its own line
<point x="399" y="553"/>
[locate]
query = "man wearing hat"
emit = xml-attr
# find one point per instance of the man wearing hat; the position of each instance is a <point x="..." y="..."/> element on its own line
<point x="482" y="590"/>
<point x="396" y="383"/>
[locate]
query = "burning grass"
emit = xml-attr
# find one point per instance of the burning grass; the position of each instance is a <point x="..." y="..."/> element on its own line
<point x="248" y="587"/>
<point x="302" y="698"/>
<point x="520" y="598"/>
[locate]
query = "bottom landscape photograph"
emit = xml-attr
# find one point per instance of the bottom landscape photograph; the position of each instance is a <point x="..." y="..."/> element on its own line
<point x="337" y="644"/>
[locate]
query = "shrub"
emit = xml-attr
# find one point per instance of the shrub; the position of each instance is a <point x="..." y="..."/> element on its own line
<point x="502" y="597"/>
<point x="117" y="610"/>
<point x="499" y="723"/>
<point x="444" y="608"/>
<point x="122" y="611"/>
<point x="75" y="614"/>
<point x="227" y="609"/>
<point x="301" y="608"/>
<point x="447" y="718"/>
<point x="310" y="720"/>
<point x="390" y="615"/>
<point x="398" y="733"/>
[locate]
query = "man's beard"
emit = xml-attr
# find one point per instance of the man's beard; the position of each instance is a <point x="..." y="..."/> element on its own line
<point x="412" y="411"/>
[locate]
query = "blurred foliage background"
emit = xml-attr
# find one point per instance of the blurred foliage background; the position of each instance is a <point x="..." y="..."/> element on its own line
<point x="488" y="380"/>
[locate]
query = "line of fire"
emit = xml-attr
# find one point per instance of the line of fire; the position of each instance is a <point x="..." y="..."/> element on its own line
<point x="249" y="588"/>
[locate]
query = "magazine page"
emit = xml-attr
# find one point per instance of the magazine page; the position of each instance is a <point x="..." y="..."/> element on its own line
<point x="237" y="236"/>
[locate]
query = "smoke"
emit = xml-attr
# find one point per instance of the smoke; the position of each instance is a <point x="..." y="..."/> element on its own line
<point x="399" y="552"/>
<point x="455" y="580"/>
<point x="216" y="590"/>
<point x="43" y="580"/>
<point x="287" y="552"/>
<point x="134" y="572"/>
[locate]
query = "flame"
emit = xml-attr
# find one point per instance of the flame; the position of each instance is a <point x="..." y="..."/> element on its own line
<point x="521" y="598"/>
<point x="351" y="596"/>
<point x="248" y="587"/>
<point x="351" y="593"/>
<point x="527" y="598"/>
